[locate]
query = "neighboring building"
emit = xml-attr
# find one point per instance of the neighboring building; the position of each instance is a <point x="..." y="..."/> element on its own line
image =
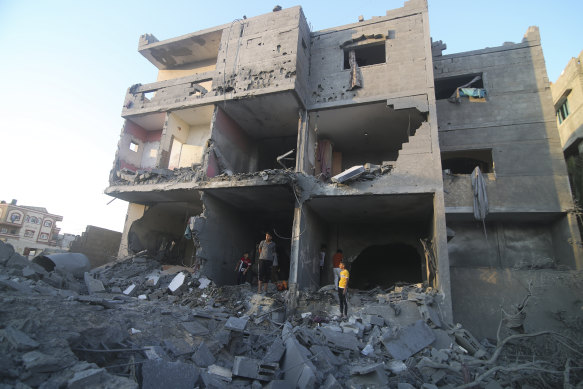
<point x="64" y="241"/>
<point x="568" y="101"/>
<point x="206" y="146"/>
<point x="100" y="245"/>
<point x="29" y="229"/>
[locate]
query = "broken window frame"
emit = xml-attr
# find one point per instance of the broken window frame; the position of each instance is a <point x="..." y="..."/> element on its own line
<point x="446" y="87"/>
<point x="362" y="48"/>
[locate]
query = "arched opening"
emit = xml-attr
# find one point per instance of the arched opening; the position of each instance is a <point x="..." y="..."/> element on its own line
<point x="385" y="265"/>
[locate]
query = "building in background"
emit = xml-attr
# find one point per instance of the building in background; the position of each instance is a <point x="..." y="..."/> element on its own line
<point x="338" y="137"/>
<point x="568" y="101"/>
<point x="29" y="229"/>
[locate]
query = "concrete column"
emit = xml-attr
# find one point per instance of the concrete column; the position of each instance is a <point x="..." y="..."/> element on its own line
<point x="302" y="147"/>
<point x="294" y="262"/>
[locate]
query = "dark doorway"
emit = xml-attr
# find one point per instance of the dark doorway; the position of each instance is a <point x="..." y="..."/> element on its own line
<point x="385" y="265"/>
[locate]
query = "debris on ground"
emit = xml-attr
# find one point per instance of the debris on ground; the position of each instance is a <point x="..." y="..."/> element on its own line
<point x="138" y="323"/>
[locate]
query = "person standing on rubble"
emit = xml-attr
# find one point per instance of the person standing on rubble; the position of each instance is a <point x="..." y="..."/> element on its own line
<point x="266" y="256"/>
<point x="242" y="268"/>
<point x="343" y="290"/>
<point x="336" y="261"/>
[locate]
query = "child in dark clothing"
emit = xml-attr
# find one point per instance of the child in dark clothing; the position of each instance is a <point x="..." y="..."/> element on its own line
<point x="243" y="266"/>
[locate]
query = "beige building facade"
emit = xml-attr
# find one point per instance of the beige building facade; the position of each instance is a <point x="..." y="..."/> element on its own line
<point x="29" y="229"/>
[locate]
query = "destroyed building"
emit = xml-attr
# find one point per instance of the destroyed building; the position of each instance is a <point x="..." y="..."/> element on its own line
<point x="363" y="137"/>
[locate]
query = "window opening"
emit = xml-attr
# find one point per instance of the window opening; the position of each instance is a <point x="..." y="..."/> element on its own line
<point x="447" y="87"/>
<point x="465" y="161"/>
<point x="48" y="223"/>
<point x="134" y="147"/>
<point x="366" y="55"/>
<point x="563" y="111"/>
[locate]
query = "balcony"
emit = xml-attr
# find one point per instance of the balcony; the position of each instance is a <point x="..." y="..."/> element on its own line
<point x="164" y="95"/>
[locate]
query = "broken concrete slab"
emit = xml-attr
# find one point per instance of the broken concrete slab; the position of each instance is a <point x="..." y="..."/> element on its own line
<point x="19" y="340"/>
<point x="237" y="323"/>
<point x="254" y="368"/>
<point x="195" y="328"/>
<point x="178" y="346"/>
<point x="275" y="351"/>
<point x="93" y="285"/>
<point x="331" y="383"/>
<point x="375" y="320"/>
<point x="221" y="372"/>
<point x="339" y="341"/>
<point x="324" y="353"/>
<point x="17" y="286"/>
<point x="299" y="369"/>
<point x="37" y="362"/>
<point x="369" y="375"/>
<point x="155" y="353"/>
<point x="159" y="373"/>
<point x="430" y="315"/>
<point x="442" y="339"/>
<point x="407" y="341"/>
<point x="279" y="384"/>
<point x="34" y="273"/>
<point x="203" y="356"/>
<point x="87" y="378"/>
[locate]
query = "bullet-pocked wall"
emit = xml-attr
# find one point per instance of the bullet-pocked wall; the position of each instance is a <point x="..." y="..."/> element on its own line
<point x="384" y="48"/>
<point x="500" y="120"/>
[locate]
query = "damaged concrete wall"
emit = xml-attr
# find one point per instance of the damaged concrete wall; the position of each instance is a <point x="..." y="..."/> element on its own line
<point x="303" y="66"/>
<point x="479" y="294"/>
<point x="162" y="224"/>
<point x="528" y="226"/>
<point x="147" y="143"/>
<point x="259" y="54"/>
<point x="403" y="34"/>
<point x="233" y="144"/>
<point x="504" y="245"/>
<point x="135" y="211"/>
<point x="225" y="234"/>
<point x="313" y="233"/>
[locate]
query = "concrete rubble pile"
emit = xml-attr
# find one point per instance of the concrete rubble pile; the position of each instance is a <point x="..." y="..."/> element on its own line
<point x="154" y="176"/>
<point x="138" y="323"/>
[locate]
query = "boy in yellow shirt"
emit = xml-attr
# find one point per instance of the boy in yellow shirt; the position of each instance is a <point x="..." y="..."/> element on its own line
<point x="342" y="290"/>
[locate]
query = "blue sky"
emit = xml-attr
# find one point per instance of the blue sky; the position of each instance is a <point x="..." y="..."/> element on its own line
<point x="66" y="65"/>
